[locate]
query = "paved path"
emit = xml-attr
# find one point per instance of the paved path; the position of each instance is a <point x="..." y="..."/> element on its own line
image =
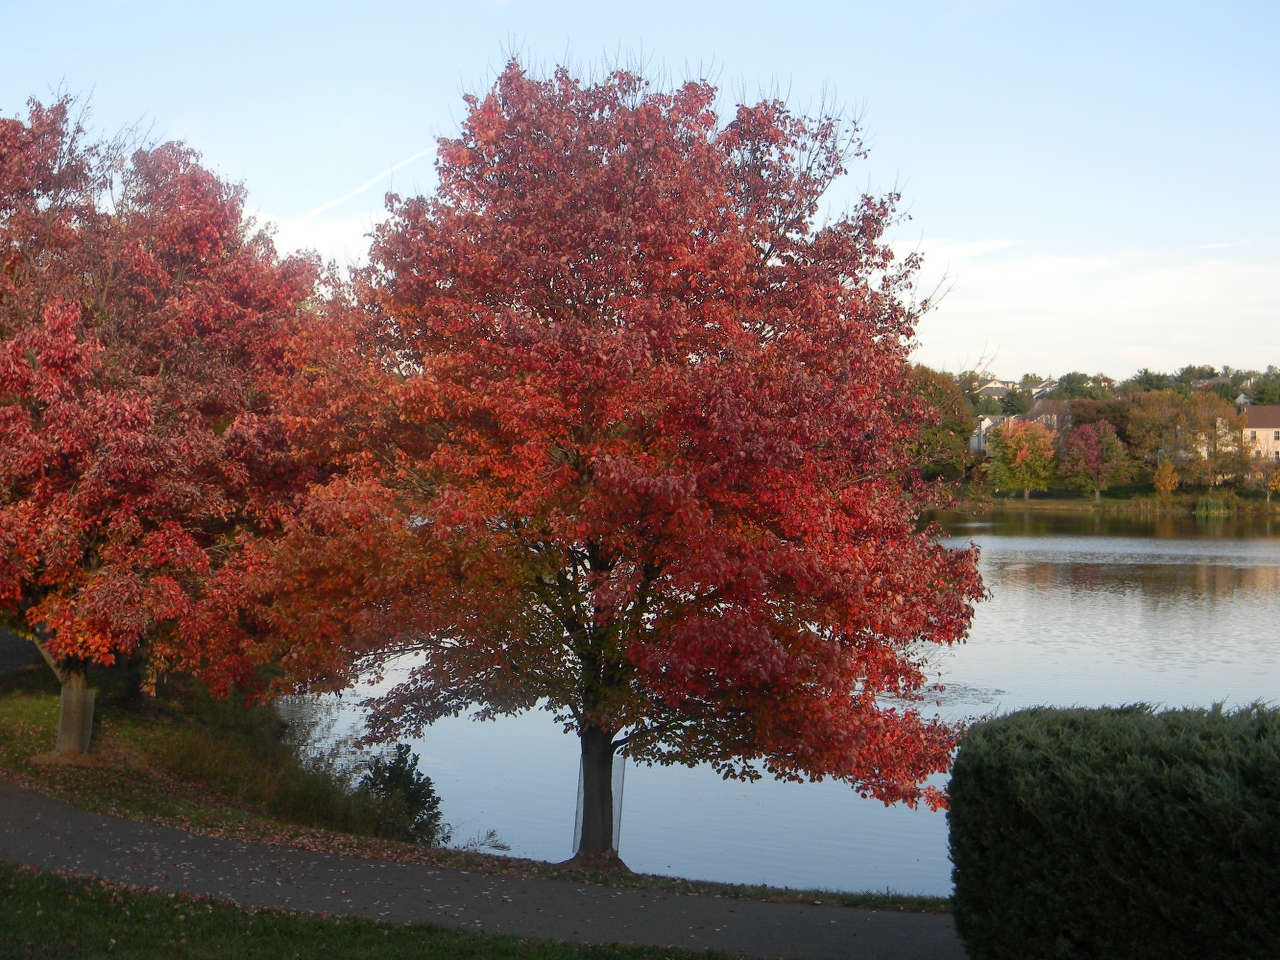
<point x="53" y="836"/>
<point x="15" y="652"/>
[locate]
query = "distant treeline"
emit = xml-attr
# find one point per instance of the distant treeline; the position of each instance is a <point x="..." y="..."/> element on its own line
<point x="1261" y="387"/>
<point x="1186" y="429"/>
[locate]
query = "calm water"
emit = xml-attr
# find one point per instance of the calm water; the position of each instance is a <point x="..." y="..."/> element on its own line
<point x="1083" y="611"/>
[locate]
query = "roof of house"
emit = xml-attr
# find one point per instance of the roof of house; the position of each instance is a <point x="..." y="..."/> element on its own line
<point x="1263" y="418"/>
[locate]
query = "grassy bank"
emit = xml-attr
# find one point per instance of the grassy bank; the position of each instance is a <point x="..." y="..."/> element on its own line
<point x="224" y="770"/>
<point x="52" y="916"/>
<point x="1136" y="501"/>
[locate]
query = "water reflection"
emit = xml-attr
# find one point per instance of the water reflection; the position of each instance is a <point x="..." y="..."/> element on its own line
<point x="1041" y="523"/>
<point x="1098" y="609"/>
<point x="1084" y="610"/>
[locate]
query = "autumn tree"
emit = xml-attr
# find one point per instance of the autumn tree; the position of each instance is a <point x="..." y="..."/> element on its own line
<point x="1165" y="478"/>
<point x="1200" y="434"/>
<point x="629" y="439"/>
<point x="1092" y="457"/>
<point x="1212" y="440"/>
<point x="139" y="314"/>
<point x="1155" y="428"/>
<point x="1022" y="454"/>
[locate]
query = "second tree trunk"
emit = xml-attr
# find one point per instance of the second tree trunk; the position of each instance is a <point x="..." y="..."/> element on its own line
<point x="597" y="793"/>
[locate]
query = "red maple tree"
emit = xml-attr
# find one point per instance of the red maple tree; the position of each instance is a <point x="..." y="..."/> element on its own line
<point x="628" y="438"/>
<point x="140" y="315"/>
<point x="1092" y="457"/>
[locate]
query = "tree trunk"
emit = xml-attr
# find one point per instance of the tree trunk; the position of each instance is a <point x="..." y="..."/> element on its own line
<point x="1097" y="495"/>
<point x="597" y="794"/>
<point x="75" y="715"/>
<point x="133" y="666"/>
<point x="1026" y="493"/>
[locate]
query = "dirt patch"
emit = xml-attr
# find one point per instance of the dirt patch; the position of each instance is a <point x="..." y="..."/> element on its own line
<point x="56" y="758"/>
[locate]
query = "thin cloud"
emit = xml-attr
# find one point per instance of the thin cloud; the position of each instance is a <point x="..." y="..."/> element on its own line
<point x="370" y="183"/>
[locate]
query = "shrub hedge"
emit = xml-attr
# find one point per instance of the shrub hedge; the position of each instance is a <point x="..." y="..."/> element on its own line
<point x="1118" y="833"/>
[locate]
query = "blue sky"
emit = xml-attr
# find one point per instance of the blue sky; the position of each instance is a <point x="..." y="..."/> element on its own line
<point x="1097" y="182"/>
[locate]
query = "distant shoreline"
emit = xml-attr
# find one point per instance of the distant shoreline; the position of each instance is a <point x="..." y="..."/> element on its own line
<point x="1182" y="505"/>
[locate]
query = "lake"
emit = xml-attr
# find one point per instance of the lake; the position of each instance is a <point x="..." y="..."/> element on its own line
<point x="1084" y="610"/>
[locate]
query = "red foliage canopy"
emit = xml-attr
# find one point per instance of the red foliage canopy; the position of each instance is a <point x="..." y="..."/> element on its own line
<point x="631" y="441"/>
<point x="1093" y="457"/>
<point x="139" y="315"/>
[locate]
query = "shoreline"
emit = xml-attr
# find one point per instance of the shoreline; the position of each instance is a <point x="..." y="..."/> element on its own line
<point x="1233" y="508"/>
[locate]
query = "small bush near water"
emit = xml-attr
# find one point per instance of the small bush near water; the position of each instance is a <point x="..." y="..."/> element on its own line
<point x="1211" y="507"/>
<point x="249" y="754"/>
<point x="1118" y="833"/>
<point x="407" y="801"/>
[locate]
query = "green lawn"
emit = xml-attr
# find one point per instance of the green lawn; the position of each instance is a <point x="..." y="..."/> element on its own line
<point x="50" y="916"/>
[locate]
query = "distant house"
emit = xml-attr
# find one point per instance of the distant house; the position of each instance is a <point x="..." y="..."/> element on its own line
<point x="1232" y="382"/>
<point x="1040" y="388"/>
<point x="978" y="442"/>
<point x="1262" y="431"/>
<point x="995" y="388"/>
<point x="1210" y="383"/>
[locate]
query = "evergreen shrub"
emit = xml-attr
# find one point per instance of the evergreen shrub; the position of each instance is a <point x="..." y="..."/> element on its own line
<point x="1118" y="833"/>
<point x="407" y="800"/>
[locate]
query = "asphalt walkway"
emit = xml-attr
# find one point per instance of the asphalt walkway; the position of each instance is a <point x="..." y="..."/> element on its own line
<point x="15" y="652"/>
<point x="50" y="835"/>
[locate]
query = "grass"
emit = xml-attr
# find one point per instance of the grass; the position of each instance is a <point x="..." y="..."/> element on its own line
<point x="1127" y="498"/>
<point x="52" y="916"/>
<point x="224" y="770"/>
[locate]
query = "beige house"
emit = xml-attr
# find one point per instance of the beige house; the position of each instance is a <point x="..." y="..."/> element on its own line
<point x="1262" y="432"/>
<point x="995" y="389"/>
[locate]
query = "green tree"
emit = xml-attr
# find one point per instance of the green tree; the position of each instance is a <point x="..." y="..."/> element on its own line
<point x="1227" y="391"/>
<point x="1075" y="385"/>
<point x="1015" y="403"/>
<point x="1188" y="375"/>
<point x="1021" y="456"/>
<point x="1146" y="380"/>
<point x="942" y="442"/>
<point x="1266" y="387"/>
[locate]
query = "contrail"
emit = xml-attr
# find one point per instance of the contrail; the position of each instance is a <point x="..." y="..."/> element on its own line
<point x="365" y="186"/>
